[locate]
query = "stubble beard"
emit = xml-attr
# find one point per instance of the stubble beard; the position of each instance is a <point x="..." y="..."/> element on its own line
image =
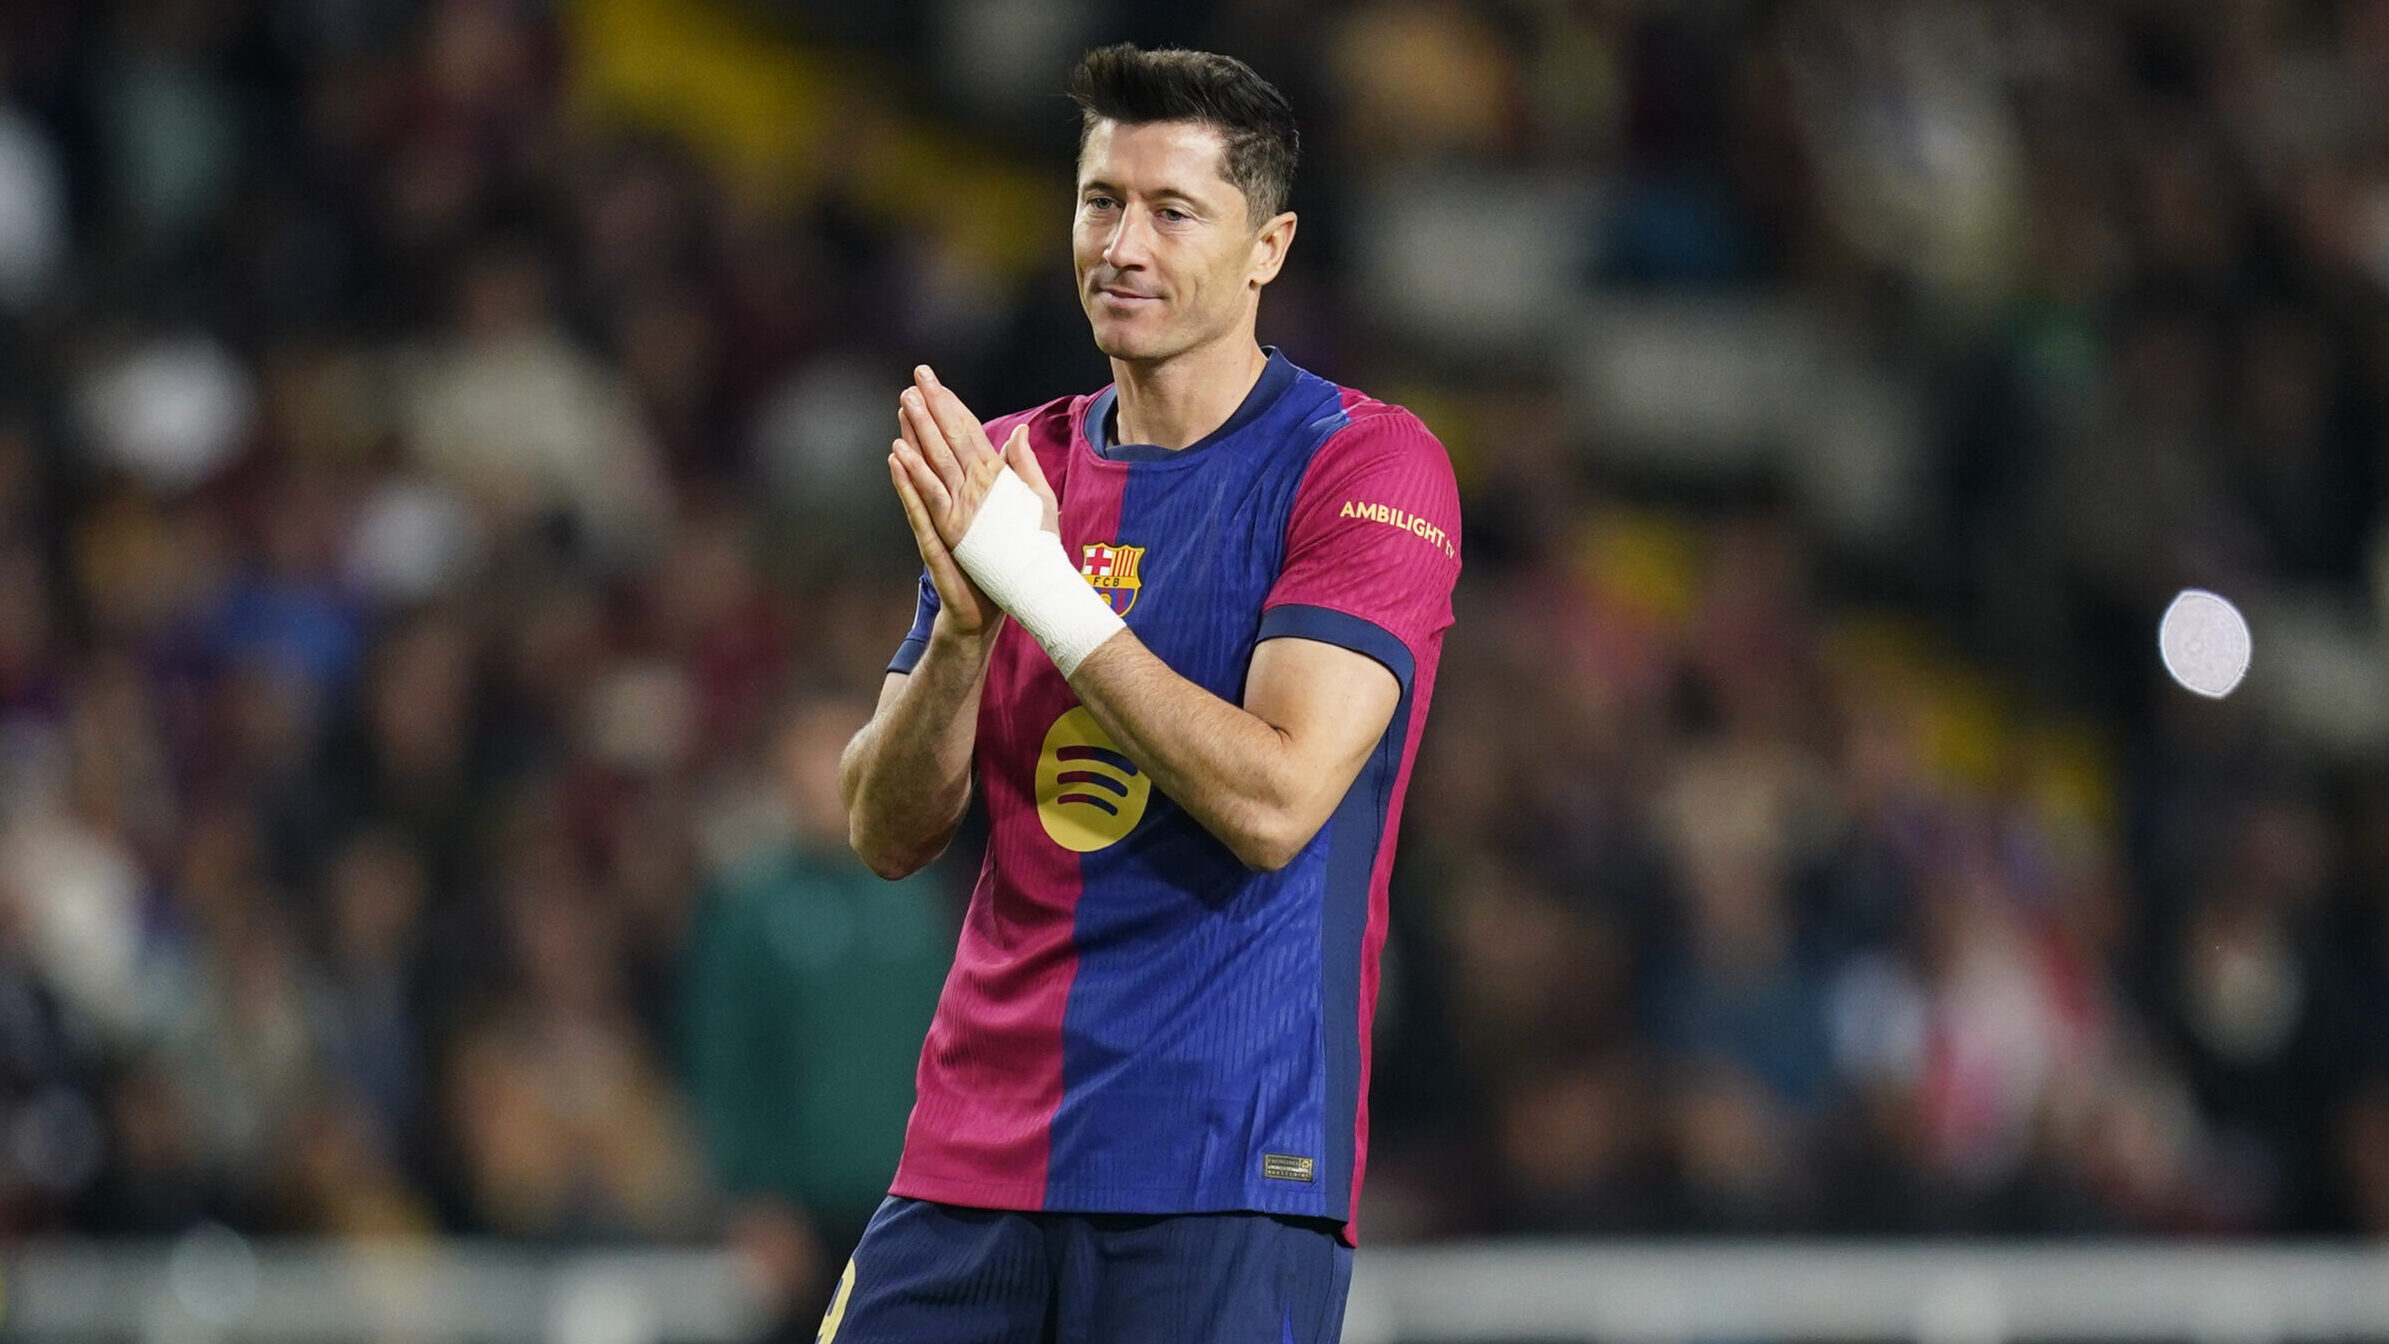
<point x="1157" y="346"/>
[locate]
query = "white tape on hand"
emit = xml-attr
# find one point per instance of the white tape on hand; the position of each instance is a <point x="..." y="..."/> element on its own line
<point x="1011" y="556"/>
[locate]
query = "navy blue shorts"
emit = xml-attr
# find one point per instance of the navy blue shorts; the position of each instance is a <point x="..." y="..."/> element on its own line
<point x="938" y="1274"/>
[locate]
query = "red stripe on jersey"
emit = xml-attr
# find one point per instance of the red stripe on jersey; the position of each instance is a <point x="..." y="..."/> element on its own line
<point x="991" y="1071"/>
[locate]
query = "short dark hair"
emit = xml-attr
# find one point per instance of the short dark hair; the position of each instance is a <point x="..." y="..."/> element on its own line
<point x="1123" y="84"/>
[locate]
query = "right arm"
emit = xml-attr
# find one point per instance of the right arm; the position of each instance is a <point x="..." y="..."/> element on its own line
<point x="906" y="777"/>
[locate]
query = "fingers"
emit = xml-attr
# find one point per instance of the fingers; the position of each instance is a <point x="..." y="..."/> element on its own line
<point x="1024" y="462"/>
<point x="935" y="552"/>
<point x="928" y="439"/>
<point x="1026" y="466"/>
<point x="915" y="511"/>
<point x="943" y="572"/>
<point x="964" y="434"/>
<point x="945" y="453"/>
<point x="944" y="513"/>
<point x="933" y="489"/>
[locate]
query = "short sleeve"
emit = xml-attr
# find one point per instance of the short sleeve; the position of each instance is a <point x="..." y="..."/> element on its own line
<point x="916" y="641"/>
<point x="1372" y="545"/>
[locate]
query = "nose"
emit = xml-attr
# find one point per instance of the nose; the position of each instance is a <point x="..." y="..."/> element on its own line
<point x="1127" y="248"/>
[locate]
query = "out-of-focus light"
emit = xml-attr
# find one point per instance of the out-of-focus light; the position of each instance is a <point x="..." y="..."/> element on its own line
<point x="412" y="540"/>
<point x="213" y="1273"/>
<point x="2205" y="643"/>
<point x="593" y="1306"/>
<point x="172" y="411"/>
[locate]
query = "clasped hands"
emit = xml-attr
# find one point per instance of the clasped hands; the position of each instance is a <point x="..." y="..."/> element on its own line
<point x="944" y="468"/>
<point x="989" y="527"/>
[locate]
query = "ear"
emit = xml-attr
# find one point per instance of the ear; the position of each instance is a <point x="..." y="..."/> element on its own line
<point x="1269" y="248"/>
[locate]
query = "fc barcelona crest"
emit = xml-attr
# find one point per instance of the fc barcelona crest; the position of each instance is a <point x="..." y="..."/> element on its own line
<point x="1111" y="571"/>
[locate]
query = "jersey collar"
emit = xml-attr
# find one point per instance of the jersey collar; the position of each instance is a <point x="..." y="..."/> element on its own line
<point x="1276" y="376"/>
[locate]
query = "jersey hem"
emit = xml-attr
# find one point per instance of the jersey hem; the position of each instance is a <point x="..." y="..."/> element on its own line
<point x="1346" y="1231"/>
<point x="1016" y="1197"/>
<point x="1096" y="1199"/>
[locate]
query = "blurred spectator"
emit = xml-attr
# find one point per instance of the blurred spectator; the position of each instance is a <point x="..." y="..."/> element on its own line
<point x="530" y="429"/>
<point x="377" y="898"/>
<point x="46" y="1093"/>
<point x="32" y="212"/>
<point x="810" y="985"/>
<point x="2363" y="1145"/>
<point x="563" y="1115"/>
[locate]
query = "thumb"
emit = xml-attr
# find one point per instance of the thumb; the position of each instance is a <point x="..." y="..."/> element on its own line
<point x="1023" y="460"/>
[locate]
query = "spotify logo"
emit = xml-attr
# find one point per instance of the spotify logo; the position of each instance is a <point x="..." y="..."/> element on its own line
<point x="1089" y="795"/>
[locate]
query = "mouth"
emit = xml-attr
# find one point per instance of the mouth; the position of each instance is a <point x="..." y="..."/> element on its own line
<point x="1125" y="297"/>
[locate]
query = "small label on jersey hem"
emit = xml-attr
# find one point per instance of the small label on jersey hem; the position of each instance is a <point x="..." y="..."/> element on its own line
<point x="1286" y="1167"/>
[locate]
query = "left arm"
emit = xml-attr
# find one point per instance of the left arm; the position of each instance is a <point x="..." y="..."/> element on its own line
<point x="1262" y="777"/>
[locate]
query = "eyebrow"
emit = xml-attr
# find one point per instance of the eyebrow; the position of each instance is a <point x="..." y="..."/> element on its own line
<point x="1158" y="193"/>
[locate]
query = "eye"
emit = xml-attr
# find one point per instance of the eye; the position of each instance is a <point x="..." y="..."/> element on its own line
<point x="1099" y="201"/>
<point x="1173" y="215"/>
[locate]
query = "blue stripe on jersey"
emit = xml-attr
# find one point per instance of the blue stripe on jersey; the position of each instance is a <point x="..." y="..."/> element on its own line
<point x="1354" y="835"/>
<point x="1193" y="1042"/>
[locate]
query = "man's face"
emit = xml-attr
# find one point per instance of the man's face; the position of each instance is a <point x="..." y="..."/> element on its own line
<point x="1166" y="251"/>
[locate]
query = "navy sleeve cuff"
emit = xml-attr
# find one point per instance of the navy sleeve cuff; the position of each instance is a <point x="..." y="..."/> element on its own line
<point x="916" y="640"/>
<point x="1342" y="629"/>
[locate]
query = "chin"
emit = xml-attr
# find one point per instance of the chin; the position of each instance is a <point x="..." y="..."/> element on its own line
<point x="1122" y="342"/>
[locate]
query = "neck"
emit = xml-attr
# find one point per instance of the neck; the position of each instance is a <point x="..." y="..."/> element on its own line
<point x="1174" y="402"/>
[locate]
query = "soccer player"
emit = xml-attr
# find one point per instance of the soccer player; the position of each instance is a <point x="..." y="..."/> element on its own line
<point x="1181" y="635"/>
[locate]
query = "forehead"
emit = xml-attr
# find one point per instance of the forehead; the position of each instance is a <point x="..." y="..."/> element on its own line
<point x="1187" y="157"/>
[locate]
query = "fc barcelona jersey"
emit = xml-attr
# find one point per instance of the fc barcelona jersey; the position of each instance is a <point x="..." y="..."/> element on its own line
<point x="1136" y="1022"/>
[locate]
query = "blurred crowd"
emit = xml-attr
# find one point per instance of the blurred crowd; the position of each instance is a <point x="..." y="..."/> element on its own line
<point x="443" y="546"/>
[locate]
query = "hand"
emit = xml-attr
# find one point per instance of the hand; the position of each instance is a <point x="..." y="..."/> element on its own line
<point x="945" y="452"/>
<point x="942" y="468"/>
<point x="962" y="607"/>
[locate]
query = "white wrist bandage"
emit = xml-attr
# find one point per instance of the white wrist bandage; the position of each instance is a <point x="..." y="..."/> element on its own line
<point x="1023" y="567"/>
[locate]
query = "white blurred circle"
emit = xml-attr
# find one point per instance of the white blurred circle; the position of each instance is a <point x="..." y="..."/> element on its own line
<point x="2205" y="643"/>
<point x="172" y="411"/>
<point x="593" y="1306"/>
<point x="214" y="1273"/>
<point x="412" y="540"/>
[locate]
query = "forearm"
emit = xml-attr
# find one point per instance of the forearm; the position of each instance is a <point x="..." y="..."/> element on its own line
<point x="906" y="776"/>
<point x="1232" y="771"/>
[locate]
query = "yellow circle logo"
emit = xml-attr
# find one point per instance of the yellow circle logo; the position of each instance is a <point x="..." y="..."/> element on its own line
<point x="1089" y="795"/>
